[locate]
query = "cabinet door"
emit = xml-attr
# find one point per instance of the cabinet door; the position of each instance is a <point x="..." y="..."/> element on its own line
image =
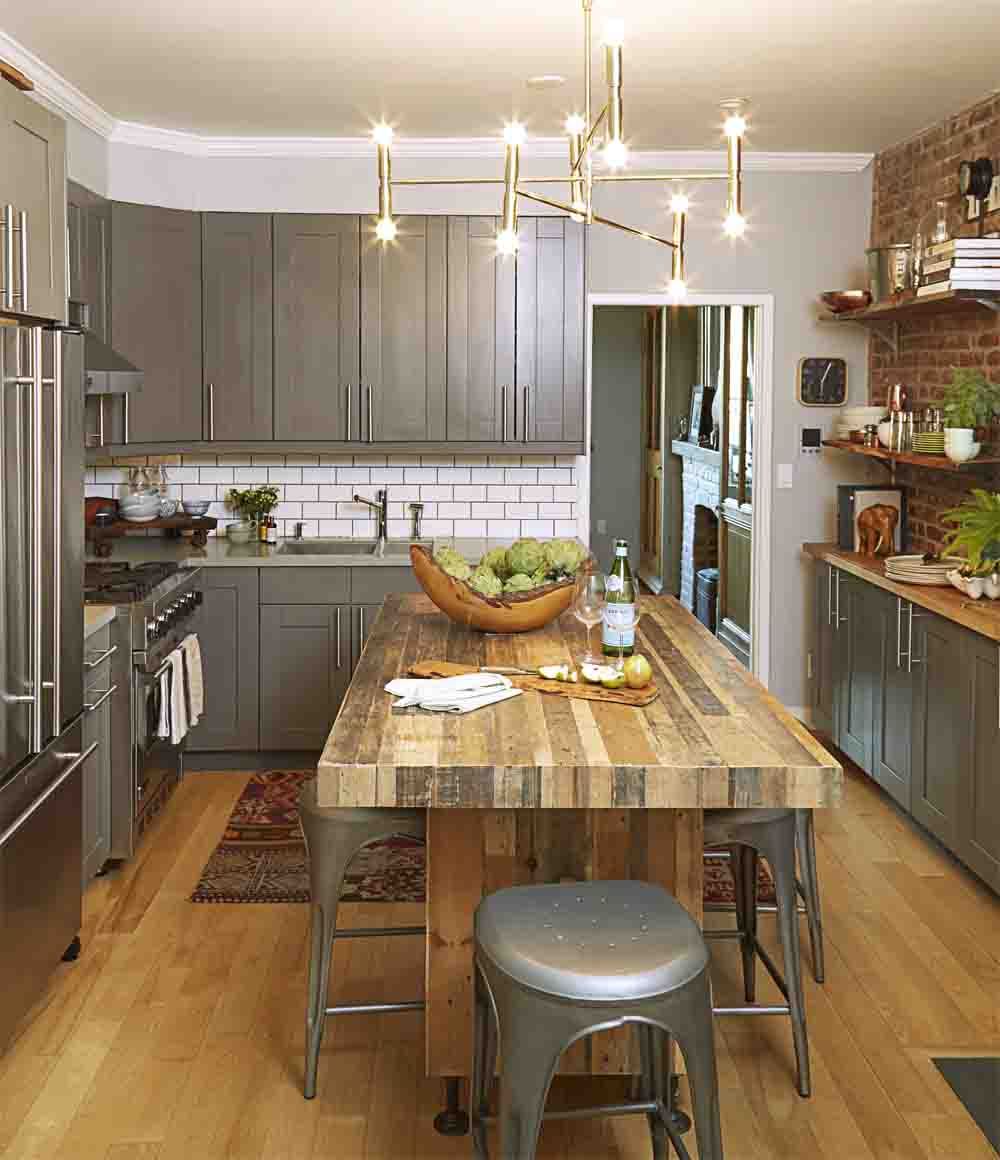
<point x="858" y="663"/>
<point x="316" y="326"/>
<point x="89" y="227"/>
<point x="893" y="692"/>
<point x="362" y="618"/>
<point x="480" y="333"/>
<point x="940" y="723"/>
<point x="979" y="802"/>
<point x="237" y="308"/>
<point x="550" y="304"/>
<point x="824" y="664"/>
<point x="96" y="787"/>
<point x="156" y="318"/>
<point x="229" y="635"/>
<point x="33" y="147"/>
<point x="404" y="310"/>
<point x="305" y="668"/>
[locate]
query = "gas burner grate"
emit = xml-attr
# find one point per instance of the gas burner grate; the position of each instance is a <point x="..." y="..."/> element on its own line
<point x="123" y="583"/>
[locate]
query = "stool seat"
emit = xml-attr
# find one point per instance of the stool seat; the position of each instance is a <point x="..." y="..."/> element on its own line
<point x="591" y="941"/>
<point x="742" y="817"/>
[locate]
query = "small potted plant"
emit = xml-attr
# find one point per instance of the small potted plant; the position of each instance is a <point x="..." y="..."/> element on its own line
<point x="977" y="537"/>
<point x="970" y="401"/>
<point x="254" y="504"/>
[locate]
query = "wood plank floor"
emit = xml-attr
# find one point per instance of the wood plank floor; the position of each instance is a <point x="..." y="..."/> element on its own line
<point x="178" y="1034"/>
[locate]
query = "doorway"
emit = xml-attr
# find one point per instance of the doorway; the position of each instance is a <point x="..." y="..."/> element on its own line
<point x="679" y="414"/>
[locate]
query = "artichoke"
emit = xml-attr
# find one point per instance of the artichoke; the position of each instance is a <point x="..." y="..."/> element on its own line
<point x="541" y="577"/>
<point x="485" y="581"/>
<point x="526" y="556"/>
<point x="564" y="557"/>
<point x="519" y="582"/>
<point x="448" y="560"/>
<point x="496" y="560"/>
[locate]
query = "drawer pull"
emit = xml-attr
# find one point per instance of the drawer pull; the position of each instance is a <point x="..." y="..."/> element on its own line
<point x="76" y="760"/>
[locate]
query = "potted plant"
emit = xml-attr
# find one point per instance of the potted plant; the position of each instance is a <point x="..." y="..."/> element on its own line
<point x="970" y="401"/>
<point x="255" y="503"/>
<point x="977" y="537"/>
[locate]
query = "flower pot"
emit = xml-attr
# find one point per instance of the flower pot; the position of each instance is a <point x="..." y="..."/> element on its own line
<point x="960" y="445"/>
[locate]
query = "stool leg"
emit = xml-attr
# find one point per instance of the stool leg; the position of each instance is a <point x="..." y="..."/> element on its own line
<point x="805" y="836"/>
<point x="743" y="861"/>
<point x="322" y="932"/>
<point x="533" y="1041"/>
<point x="484" y="1062"/>
<point x="651" y="1047"/>
<point x="689" y="1016"/>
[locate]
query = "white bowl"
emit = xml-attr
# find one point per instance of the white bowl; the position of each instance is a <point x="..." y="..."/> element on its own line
<point x="196" y="507"/>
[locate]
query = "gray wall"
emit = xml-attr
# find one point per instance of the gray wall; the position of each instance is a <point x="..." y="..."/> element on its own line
<point x="616" y="443"/>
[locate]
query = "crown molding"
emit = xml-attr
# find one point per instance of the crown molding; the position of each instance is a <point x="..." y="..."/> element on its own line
<point x="54" y="90"/>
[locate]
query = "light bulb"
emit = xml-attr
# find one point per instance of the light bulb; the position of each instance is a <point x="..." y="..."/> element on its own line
<point x="575" y="125"/>
<point x="677" y="290"/>
<point x="385" y="230"/>
<point x="614" y="32"/>
<point x="735" y="125"/>
<point x="513" y="133"/>
<point x="680" y="203"/>
<point x="735" y="225"/>
<point x="615" y="154"/>
<point x="382" y="134"/>
<point x="507" y="243"/>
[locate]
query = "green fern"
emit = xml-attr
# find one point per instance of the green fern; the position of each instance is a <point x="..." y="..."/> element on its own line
<point x="977" y="530"/>
<point x="970" y="399"/>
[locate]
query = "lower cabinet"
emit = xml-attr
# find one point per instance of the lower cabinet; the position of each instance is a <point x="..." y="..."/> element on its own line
<point x="305" y="668"/>
<point x="96" y="775"/>
<point x="824" y="646"/>
<point x="978" y="821"/>
<point x="858" y="664"/>
<point x="892" y="740"/>
<point x="362" y="618"/>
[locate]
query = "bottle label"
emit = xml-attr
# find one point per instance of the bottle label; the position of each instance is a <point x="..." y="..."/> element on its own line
<point x="613" y="583"/>
<point x="619" y="625"/>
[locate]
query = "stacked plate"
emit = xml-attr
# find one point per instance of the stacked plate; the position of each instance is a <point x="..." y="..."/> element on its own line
<point x="913" y="570"/>
<point x="929" y="442"/>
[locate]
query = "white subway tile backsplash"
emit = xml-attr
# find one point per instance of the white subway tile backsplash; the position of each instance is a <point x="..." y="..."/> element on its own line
<point x="420" y="475"/>
<point x="335" y="491"/>
<point x="386" y="475"/>
<point x="555" y="475"/>
<point x="521" y="511"/>
<point x="503" y="528"/>
<point x="439" y="527"/>
<point x="369" y="461"/>
<point x="288" y="511"/>
<point x="454" y="511"/>
<point x="505" y="460"/>
<point x="537" y="528"/>
<point x="354" y="475"/>
<point x="216" y="474"/>
<point x="565" y="493"/>
<point x="537" y="460"/>
<point x="319" y="511"/>
<point x="298" y="460"/>
<point x="487" y="475"/>
<point x="318" y="474"/>
<point x="505" y="492"/>
<point x="336" y="528"/>
<point x="566" y="528"/>
<point x="269" y="460"/>
<point x="304" y="491"/>
<point x="454" y="475"/>
<point x="337" y="460"/>
<point x="183" y="475"/>
<point x="471" y="492"/>
<point x="235" y="459"/>
<point x="470" y="460"/>
<point x="470" y="528"/>
<point x="284" y="475"/>
<point x="536" y="492"/>
<point x="248" y="475"/>
<point x="200" y="460"/>
<point x="523" y="474"/>
<point x="434" y="491"/>
<point x="562" y="510"/>
<point x="488" y="511"/>
<point x="437" y="460"/>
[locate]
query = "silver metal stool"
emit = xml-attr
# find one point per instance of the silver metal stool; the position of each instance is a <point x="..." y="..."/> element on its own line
<point x="772" y="834"/>
<point x="557" y="963"/>
<point x="333" y="837"/>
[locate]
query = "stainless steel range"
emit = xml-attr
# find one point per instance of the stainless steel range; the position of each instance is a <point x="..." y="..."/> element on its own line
<point x="157" y="606"/>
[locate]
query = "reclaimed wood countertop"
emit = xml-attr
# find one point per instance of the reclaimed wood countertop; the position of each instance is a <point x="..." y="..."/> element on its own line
<point x="982" y="616"/>
<point x="713" y="738"/>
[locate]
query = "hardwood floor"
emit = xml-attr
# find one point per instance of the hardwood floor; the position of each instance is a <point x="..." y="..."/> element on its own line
<point x="178" y="1033"/>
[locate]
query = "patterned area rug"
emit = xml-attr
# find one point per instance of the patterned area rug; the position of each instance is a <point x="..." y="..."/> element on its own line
<point x="262" y="856"/>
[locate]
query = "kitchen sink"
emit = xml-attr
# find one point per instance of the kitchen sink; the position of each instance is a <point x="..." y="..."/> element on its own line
<point x="314" y="547"/>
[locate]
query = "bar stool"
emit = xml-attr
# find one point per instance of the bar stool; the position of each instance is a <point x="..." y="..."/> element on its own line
<point x="557" y="963"/>
<point x="751" y="833"/>
<point x="333" y="837"/>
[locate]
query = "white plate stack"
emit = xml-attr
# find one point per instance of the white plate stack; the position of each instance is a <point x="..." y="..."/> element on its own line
<point x="914" y="570"/>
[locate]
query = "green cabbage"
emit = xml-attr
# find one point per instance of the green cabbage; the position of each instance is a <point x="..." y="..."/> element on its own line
<point x="485" y="581"/>
<point x="564" y="557"/>
<point x="519" y="582"/>
<point x="448" y="560"/>
<point x="496" y="560"/>
<point x="526" y="556"/>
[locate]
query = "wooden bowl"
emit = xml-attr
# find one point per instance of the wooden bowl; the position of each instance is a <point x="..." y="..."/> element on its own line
<point x="512" y="612"/>
<point x="840" y="301"/>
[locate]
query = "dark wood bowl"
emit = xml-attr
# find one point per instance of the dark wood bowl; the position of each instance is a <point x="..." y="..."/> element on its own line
<point x="840" y="301"/>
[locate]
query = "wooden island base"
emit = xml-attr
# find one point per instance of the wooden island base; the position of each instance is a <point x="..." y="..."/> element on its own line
<point x="471" y="853"/>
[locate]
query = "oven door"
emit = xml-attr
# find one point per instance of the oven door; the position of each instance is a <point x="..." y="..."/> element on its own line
<point x="157" y="761"/>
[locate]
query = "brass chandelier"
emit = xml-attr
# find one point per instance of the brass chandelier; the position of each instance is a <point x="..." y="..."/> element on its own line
<point x="584" y="137"/>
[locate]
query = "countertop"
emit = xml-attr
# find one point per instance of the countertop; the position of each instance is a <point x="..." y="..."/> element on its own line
<point x="982" y="616"/>
<point x="219" y="553"/>
<point x="714" y="737"/>
<point x="96" y="616"/>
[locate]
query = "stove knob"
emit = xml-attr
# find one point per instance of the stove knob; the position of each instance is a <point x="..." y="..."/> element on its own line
<point x="151" y="631"/>
<point x="162" y="626"/>
<point x="199" y="596"/>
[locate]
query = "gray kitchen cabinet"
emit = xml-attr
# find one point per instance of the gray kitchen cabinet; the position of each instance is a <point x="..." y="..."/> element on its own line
<point x="305" y="669"/>
<point x="88" y="223"/>
<point x="237" y="313"/>
<point x="549" y="398"/>
<point x="316" y="326"/>
<point x="892" y="741"/>
<point x="858" y="665"/>
<point x="481" y="307"/>
<point x="824" y="651"/>
<point x="156" y="318"/>
<point x="229" y="634"/>
<point x="404" y="334"/>
<point x="363" y="616"/>
<point x="940" y="724"/>
<point x="978" y="819"/>
<point x="33" y="181"/>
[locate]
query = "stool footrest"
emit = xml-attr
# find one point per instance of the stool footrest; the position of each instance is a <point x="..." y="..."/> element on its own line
<point x="372" y="1008"/>
<point x="378" y="931"/>
<point x="753" y="1009"/>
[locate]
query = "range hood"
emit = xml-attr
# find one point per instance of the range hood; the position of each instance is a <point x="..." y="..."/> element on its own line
<point x="106" y="372"/>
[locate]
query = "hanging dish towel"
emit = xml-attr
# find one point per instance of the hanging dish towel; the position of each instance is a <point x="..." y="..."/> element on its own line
<point x="452" y="694"/>
<point x="163" y="722"/>
<point x="178" y="705"/>
<point x="194" y="679"/>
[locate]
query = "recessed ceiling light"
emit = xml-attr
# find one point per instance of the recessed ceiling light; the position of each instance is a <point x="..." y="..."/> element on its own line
<point x="546" y="81"/>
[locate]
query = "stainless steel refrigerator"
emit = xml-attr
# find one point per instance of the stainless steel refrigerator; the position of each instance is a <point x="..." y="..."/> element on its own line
<point x="41" y="656"/>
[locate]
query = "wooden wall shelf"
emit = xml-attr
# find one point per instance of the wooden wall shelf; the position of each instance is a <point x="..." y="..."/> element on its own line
<point x="913" y="458"/>
<point x="883" y="318"/>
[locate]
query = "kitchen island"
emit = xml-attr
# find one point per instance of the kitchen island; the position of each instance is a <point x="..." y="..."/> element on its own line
<point x="545" y="788"/>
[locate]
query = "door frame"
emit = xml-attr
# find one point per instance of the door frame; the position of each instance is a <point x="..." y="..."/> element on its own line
<point x="760" y="618"/>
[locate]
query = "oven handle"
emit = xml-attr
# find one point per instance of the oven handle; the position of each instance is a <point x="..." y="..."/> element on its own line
<point x="76" y="760"/>
<point x="99" y="660"/>
<point x="95" y="705"/>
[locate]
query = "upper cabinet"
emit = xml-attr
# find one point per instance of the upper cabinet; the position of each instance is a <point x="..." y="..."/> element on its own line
<point x="33" y="185"/>
<point x="237" y="310"/>
<point x="316" y="327"/>
<point x="548" y="403"/>
<point x="88" y="219"/>
<point x="404" y="333"/>
<point x="156" y="318"/>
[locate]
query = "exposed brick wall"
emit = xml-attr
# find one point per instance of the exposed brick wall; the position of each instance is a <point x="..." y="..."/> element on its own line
<point x="908" y="178"/>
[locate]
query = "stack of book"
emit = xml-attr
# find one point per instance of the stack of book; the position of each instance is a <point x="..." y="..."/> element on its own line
<point x="961" y="264"/>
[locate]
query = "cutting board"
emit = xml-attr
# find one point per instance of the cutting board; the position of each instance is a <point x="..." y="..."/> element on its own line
<point x="580" y="690"/>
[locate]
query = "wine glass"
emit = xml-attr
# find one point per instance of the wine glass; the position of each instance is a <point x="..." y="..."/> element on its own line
<point x="588" y="607"/>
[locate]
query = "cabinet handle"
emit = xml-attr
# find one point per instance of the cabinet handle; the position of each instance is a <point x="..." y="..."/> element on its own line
<point x="75" y="761"/>
<point x="8" y="257"/>
<point x="899" y="632"/>
<point x="100" y="420"/>
<point x="348" y="391"/>
<point x="361" y="622"/>
<point x="125" y="418"/>
<point x="998" y="686"/>
<point x="503" y="414"/>
<point x="911" y="660"/>
<point x="829" y="597"/>
<point x="336" y="612"/>
<point x="371" y="425"/>
<point x="211" y="412"/>
<point x="524" y="394"/>
<point x="92" y="708"/>
<point x="22" y="229"/>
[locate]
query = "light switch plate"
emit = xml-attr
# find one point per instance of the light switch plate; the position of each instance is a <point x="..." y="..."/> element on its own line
<point x="786" y="475"/>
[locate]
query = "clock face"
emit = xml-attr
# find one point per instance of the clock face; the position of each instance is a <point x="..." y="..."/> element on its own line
<point x="822" y="382"/>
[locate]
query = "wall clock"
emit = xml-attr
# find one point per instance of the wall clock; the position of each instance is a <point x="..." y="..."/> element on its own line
<point x="822" y="381"/>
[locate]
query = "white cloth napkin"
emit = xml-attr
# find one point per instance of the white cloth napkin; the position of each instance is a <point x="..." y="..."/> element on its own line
<point x="452" y="694"/>
<point x="195" y="682"/>
<point x="163" y="723"/>
<point x="178" y="701"/>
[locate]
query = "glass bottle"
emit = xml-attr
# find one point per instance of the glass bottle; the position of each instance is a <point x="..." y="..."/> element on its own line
<point x="618" y="633"/>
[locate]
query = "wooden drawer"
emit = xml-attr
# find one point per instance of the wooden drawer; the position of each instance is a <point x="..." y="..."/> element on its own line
<point x="305" y="585"/>
<point x="372" y="585"/>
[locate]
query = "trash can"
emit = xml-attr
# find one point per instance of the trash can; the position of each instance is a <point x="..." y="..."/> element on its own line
<point x="706" y="594"/>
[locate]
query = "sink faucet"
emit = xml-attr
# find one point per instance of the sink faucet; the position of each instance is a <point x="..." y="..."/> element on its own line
<point x="380" y="506"/>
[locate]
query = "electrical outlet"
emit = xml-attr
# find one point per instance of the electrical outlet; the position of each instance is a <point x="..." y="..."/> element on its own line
<point x="602" y="527"/>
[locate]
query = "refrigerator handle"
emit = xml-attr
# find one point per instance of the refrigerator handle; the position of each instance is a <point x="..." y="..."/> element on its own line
<point x="57" y="545"/>
<point x="22" y="230"/>
<point x="8" y="257"/>
<point x="36" y="538"/>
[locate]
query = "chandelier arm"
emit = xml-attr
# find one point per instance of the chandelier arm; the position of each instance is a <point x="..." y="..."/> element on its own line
<point x="587" y="140"/>
<point x="563" y="179"/>
<point x="661" y="177"/>
<point x="547" y="201"/>
<point x="645" y="234"/>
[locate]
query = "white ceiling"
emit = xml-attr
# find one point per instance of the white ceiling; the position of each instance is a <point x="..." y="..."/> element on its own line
<point x="856" y="75"/>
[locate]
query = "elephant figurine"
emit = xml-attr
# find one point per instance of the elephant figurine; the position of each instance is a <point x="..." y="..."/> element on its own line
<point x="877" y="529"/>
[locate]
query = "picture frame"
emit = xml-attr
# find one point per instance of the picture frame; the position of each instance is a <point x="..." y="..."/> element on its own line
<point x="700" y="417"/>
<point x="853" y="498"/>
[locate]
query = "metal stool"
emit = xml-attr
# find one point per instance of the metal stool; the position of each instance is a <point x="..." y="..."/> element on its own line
<point x="556" y="963"/>
<point x="772" y="834"/>
<point x="333" y="837"/>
